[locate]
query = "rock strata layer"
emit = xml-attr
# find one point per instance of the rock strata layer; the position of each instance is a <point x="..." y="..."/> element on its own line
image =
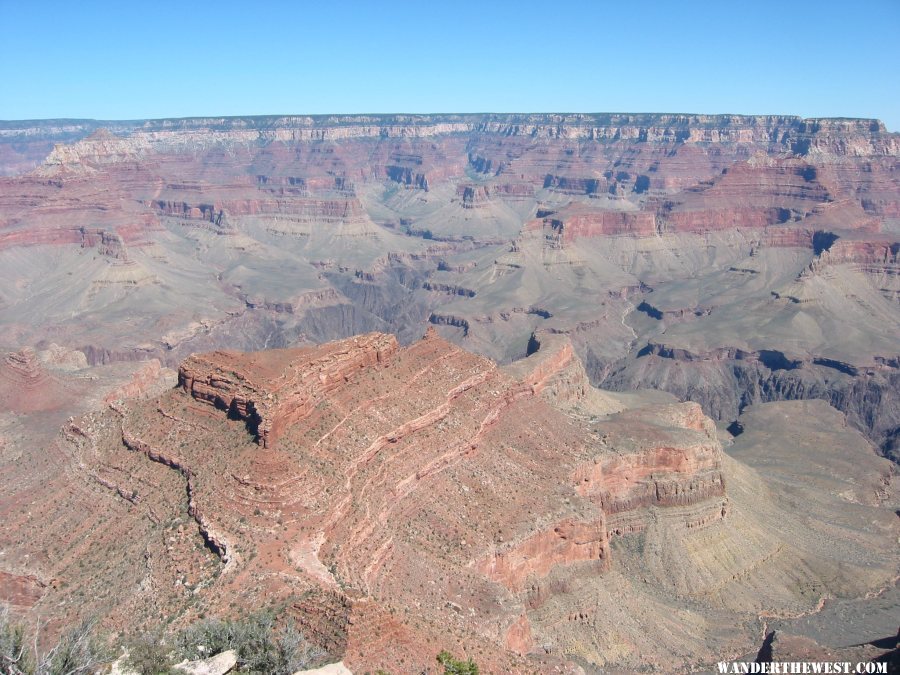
<point x="397" y="502"/>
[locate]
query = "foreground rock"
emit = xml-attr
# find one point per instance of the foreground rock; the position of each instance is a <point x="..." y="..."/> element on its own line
<point x="331" y="669"/>
<point x="214" y="665"/>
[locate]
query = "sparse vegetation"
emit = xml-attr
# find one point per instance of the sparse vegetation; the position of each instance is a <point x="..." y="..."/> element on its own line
<point x="14" y="654"/>
<point x="453" y="666"/>
<point x="77" y="652"/>
<point x="261" y="645"/>
<point x="148" y="655"/>
<point x="264" y="646"/>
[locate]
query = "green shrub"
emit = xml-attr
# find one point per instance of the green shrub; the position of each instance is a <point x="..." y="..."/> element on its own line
<point x="147" y="655"/>
<point x="15" y="656"/>
<point x="261" y="646"/>
<point x="76" y="652"/>
<point x="453" y="666"/>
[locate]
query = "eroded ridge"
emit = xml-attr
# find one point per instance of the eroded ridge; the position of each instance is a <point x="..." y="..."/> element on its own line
<point x="400" y="497"/>
<point x="414" y="463"/>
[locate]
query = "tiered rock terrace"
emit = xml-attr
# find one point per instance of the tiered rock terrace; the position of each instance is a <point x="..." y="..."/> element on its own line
<point x="399" y="504"/>
<point x="401" y="480"/>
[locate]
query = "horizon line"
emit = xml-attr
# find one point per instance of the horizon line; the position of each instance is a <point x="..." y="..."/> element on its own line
<point x="316" y="117"/>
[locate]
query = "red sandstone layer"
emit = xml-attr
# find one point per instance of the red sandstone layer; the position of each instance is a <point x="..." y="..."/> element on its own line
<point x="221" y="379"/>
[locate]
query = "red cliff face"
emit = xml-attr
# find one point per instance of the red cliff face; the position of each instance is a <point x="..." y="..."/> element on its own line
<point x="871" y="252"/>
<point x="725" y="219"/>
<point x="567" y="228"/>
<point x="401" y="478"/>
<point x="284" y="391"/>
<point x="875" y="256"/>
<point x="220" y="380"/>
<point x="757" y="193"/>
<point x="44" y="237"/>
<point x="563" y="544"/>
<point x="785" y="236"/>
<point x="662" y="473"/>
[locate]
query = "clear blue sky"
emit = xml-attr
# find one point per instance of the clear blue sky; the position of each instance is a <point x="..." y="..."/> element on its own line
<point x="126" y="59"/>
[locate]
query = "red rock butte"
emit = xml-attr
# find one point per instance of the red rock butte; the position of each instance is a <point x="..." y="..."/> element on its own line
<point x="270" y="396"/>
<point x="403" y="500"/>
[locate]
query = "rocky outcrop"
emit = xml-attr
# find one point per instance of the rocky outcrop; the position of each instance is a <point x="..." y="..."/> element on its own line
<point x="271" y="407"/>
<point x="565" y="543"/>
<point x="407" y="176"/>
<point x="479" y="196"/>
<point x="207" y="212"/>
<point x="563" y="229"/>
<point x="686" y="474"/>
<point x="220" y="664"/>
<point x="448" y="289"/>
<point x="473" y="196"/>
<point x="574" y="185"/>
<point x="108" y="244"/>
<point x="278" y="391"/>
<point x="449" y="320"/>
<point x="553" y="371"/>
<point x="512" y="191"/>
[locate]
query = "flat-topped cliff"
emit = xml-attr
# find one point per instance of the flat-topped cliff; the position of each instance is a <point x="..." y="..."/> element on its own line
<point x="32" y="139"/>
<point x="270" y="400"/>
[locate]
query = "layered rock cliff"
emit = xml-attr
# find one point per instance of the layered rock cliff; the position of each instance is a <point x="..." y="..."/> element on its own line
<point x="269" y="407"/>
<point x="491" y="227"/>
<point x="394" y="500"/>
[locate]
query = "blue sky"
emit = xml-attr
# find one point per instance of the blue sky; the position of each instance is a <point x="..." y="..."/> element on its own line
<point x="127" y="60"/>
